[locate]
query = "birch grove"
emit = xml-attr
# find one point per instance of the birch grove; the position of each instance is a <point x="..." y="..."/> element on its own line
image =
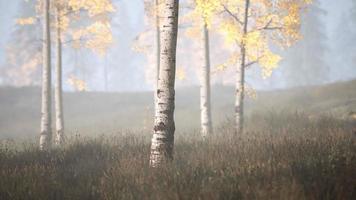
<point x="252" y="28"/>
<point x="97" y="36"/>
<point x="164" y="127"/>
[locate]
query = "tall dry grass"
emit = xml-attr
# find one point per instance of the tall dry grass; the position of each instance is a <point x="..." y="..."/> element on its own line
<point x="281" y="156"/>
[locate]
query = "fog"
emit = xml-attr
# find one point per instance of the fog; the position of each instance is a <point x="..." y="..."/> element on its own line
<point x="286" y="130"/>
<point x="334" y="24"/>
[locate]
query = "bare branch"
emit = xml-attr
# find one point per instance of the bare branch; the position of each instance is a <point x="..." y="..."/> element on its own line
<point x="253" y="62"/>
<point x="80" y="40"/>
<point x="268" y="27"/>
<point x="232" y="15"/>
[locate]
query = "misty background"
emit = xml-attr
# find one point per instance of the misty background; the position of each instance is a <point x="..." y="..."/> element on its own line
<point x="326" y="53"/>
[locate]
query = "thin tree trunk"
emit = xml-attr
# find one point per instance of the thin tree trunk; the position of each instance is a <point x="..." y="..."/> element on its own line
<point x="46" y="132"/>
<point x="58" y="92"/>
<point x="106" y="74"/>
<point x="163" y="135"/>
<point x="205" y="105"/>
<point x="240" y="79"/>
<point x="158" y="46"/>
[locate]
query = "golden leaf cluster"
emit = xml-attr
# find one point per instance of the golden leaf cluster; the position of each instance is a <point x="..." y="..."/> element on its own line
<point x="25" y="21"/>
<point x="77" y="84"/>
<point x="269" y="23"/>
<point x="97" y="36"/>
<point x="101" y="37"/>
<point x="94" y="7"/>
<point x="207" y="9"/>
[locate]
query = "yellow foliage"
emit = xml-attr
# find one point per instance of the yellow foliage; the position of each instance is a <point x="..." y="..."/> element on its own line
<point x="97" y="36"/>
<point x="202" y="15"/>
<point x="268" y="23"/>
<point x="63" y="23"/>
<point x="269" y="62"/>
<point x="231" y="31"/>
<point x="25" y="21"/>
<point x="207" y="9"/>
<point x="94" y="7"/>
<point x="101" y="37"/>
<point x="77" y="84"/>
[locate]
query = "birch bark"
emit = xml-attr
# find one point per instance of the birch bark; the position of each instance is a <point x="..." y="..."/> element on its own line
<point x="205" y="105"/>
<point x="164" y="127"/>
<point x="46" y="132"/>
<point x="58" y="92"/>
<point x="158" y="49"/>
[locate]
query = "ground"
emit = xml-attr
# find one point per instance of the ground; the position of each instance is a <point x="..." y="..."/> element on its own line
<point x="299" y="144"/>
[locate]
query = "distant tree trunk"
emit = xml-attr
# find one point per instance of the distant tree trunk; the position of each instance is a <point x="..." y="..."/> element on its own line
<point x="106" y="79"/>
<point x="240" y="79"/>
<point x="205" y="106"/>
<point x="58" y="92"/>
<point x="158" y="46"/>
<point x="46" y="132"/>
<point x="163" y="135"/>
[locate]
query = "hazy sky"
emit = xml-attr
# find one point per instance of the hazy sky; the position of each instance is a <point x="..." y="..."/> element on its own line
<point x="127" y="70"/>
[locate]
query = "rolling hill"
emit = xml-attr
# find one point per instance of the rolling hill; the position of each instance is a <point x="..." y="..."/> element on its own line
<point x="89" y="113"/>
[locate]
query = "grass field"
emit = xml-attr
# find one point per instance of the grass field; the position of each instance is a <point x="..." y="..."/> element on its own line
<point x="293" y="158"/>
<point x="95" y="113"/>
<point x="299" y="144"/>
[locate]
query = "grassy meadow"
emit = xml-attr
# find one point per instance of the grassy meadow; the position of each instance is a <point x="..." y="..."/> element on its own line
<point x="299" y="144"/>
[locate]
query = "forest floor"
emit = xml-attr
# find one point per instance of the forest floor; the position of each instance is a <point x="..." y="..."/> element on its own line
<point x="299" y="144"/>
<point x="294" y="157"/>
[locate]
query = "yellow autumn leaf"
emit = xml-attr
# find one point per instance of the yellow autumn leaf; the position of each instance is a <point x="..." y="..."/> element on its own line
<point x="25" y="21"/>
<point x="77" y="84"/>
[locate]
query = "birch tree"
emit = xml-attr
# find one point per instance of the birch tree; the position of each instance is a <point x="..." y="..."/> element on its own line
<point x="158" y="46"/>
<point x="96" y="36"/>
<point x="58" y="84"/>
<point x="67" y="12"/>
<point x="158" y="50"/>
<point x="200" y="19"/>
<point x="253" y="26"/>
<point x="46" y="128"/>
<point x="205" y="9"/>
<point x="164" y="127"/>
<point x="205" y="104"/>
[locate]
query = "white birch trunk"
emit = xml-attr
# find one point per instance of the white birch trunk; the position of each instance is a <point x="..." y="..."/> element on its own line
<point x="205" y="105"/>
<point x="240" y="79"/>
<point x="58" y="93"/>
<point x="46" y="132"/>
<point x="163" y="135"/>
<point x="158" y="46"/>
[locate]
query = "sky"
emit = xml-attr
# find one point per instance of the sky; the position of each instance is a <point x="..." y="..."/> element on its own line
<point x="127" y="68"/>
